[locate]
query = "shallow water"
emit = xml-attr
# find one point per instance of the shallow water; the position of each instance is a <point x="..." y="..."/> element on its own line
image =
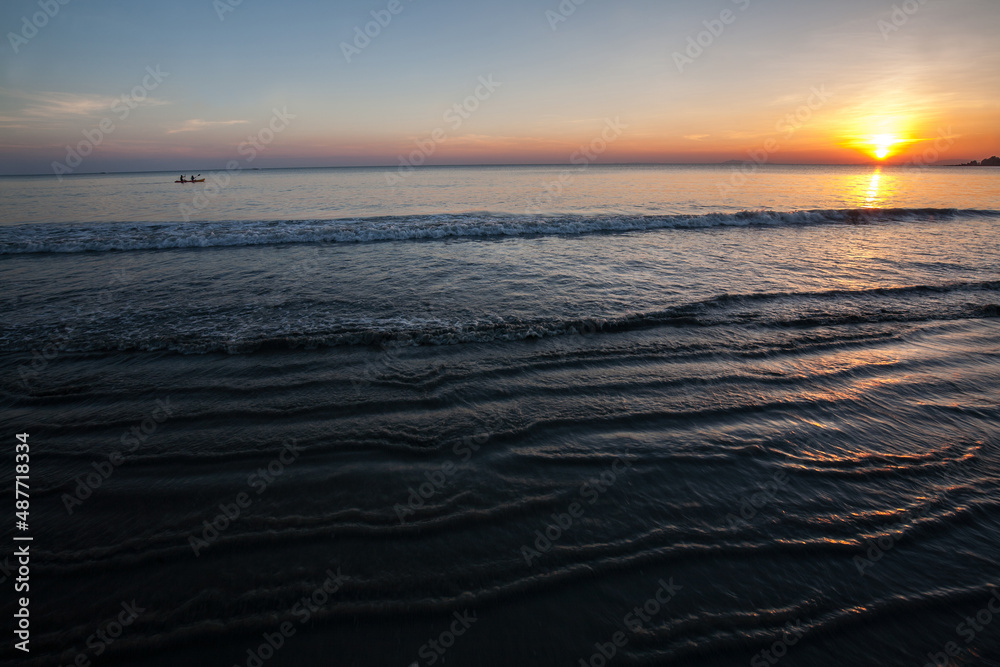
<point x="768" y="418"/>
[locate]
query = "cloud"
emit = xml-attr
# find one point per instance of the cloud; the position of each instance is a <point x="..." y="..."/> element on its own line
<point x="696" y="137"/>
<point x="197" y="124"/>
<point x="64" y="105"/>
<point x="42" y="106"/>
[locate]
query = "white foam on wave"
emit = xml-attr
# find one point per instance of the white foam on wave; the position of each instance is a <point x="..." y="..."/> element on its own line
<point x="103" y="237"/>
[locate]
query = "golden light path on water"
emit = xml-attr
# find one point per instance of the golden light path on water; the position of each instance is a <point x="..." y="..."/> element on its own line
<point x="874" y="189"/>
<point x="871" y="200"/>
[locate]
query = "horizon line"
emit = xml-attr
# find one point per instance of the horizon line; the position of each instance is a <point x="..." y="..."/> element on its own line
<point x="506" y="164"/>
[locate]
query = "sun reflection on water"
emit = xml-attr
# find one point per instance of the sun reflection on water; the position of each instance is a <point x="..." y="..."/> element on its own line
<point x="872" y="198"/>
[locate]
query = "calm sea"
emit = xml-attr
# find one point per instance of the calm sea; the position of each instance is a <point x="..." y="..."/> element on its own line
<point x="666" y="415"/>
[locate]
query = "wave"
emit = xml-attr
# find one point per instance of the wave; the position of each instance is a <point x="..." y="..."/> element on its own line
<point x="127" y="236"/>
<point x="906" y="304"/>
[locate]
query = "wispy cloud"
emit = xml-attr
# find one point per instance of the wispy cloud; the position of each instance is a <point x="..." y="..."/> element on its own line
<point x="39" y="106"/>
<point x="64" y="105"/>
<point x="196" y="124"/>
<point x="696" y="137"/>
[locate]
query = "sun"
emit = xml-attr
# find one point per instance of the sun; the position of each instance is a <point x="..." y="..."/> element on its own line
<point x="880" y="139"/>
<point x="883" y="145"/>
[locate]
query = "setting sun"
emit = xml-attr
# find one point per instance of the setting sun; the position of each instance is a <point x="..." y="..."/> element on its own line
<point x="882" y="138"/>
<point x="883" y="145"/>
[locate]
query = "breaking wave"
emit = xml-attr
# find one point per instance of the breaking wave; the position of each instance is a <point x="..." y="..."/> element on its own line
<point x="126" y="236"/>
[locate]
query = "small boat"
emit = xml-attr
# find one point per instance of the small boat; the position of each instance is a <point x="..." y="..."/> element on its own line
<point x="192" y="180"/>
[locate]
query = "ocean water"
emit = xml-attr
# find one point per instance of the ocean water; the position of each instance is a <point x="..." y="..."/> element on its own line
<point x="665" y="415"/>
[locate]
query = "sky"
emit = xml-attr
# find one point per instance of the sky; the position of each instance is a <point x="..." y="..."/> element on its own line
<point x="103" y="85"/>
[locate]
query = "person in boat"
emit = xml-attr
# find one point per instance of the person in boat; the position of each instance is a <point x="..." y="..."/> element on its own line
<point x="182" y="178"/>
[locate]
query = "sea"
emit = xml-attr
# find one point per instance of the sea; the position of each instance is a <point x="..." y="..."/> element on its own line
<point x="584" y="415"/>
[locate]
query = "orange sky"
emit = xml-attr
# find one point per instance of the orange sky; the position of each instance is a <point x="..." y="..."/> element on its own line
<point x="781" y="82"/>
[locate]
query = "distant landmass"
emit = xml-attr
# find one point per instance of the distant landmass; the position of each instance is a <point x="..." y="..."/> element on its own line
<point x="988" y="162"/>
